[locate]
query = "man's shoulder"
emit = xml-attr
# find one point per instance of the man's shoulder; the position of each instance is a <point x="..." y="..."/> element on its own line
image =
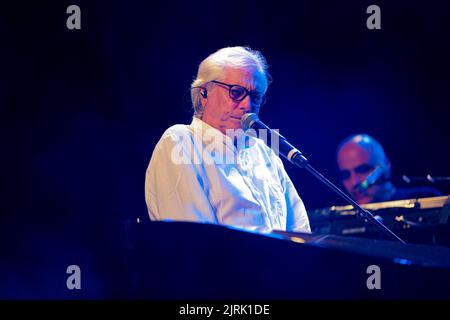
<point x="172" y="136"/>
<point x="173" y="139"/>
<point x="177" y="130"/>
<point x="175" y="133"/>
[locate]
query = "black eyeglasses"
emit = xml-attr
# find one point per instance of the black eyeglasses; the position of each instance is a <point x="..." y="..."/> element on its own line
<point x="238" y="93"/>
<point x="361" y="169"/>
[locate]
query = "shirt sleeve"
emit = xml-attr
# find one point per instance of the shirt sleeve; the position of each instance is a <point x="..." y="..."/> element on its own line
<point x="174" y="187"/>
<point x="297" y="217"/>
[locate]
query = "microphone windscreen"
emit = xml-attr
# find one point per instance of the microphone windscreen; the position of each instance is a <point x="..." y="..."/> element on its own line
<point x="248" y="119"/>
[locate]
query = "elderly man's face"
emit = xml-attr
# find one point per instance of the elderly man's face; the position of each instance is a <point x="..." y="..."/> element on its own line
<point x="220" y="111"/>
<point x="359" y="162"/>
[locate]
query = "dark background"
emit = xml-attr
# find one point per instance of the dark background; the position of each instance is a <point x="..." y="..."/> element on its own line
<point x="81" y="110"/>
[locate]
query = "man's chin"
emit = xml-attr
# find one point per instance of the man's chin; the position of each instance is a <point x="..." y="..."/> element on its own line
<point x="234" y="125"/>
<point x="234" y="121"/>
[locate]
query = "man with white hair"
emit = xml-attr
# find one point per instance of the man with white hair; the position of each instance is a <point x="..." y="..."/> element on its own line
<point x="203" y="173"/>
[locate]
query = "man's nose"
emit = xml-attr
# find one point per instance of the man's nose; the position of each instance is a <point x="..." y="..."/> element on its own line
<point x="245" y="104"/>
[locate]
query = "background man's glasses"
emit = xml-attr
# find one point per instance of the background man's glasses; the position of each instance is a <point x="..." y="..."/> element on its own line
<point x="361" y="169"/>
<point x="238" y="93"/>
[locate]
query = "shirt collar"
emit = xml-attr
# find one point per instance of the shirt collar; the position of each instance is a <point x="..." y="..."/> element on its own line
<point x="201" y="126"/>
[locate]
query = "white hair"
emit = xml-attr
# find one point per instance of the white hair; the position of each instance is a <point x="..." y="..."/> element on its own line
<point x="212" y="68"/>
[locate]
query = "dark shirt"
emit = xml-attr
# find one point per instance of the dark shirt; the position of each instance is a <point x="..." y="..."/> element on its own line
<point x="414" y="193"/>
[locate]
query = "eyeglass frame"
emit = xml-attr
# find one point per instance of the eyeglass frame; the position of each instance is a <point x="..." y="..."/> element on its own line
<point x="247" y="92"/>
<point x="346" y="173"/>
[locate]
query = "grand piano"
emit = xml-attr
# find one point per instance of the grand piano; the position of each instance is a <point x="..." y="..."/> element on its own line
<point x="194" y="261"/>
<point x="182" y="260"/>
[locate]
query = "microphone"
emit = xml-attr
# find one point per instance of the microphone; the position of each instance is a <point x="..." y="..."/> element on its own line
<point x="287" y="150"/>
<point x="374" y="177"/>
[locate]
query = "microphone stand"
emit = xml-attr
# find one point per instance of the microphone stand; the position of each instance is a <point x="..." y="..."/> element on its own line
<point x="300" y="161"/>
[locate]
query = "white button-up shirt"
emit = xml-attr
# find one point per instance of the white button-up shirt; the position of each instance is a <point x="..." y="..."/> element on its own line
<point x="197" y="173"/>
